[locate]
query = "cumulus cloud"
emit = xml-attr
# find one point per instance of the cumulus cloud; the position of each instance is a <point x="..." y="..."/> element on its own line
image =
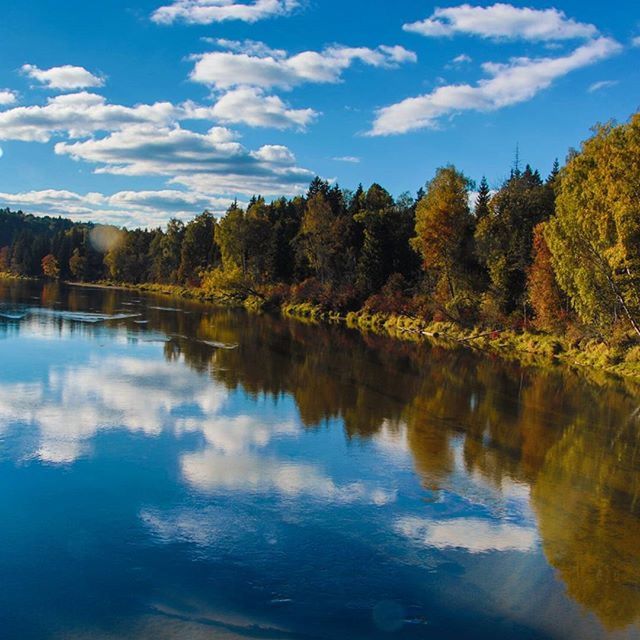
<point x="7" y="97"/>
<point x="471" y="534"/>
<point x="79" y="115"/>
<point x="508" y="83"/>
<point x="213" y="162"/>
<point x="502" y="21"/>
<point x="251" y="106"/>
<point x="210" y="11"/>
<point x="148" y="140"/>
<point x="64" y="78"/>
<point x="245" y="70"/>
<point x="269" y="69"/>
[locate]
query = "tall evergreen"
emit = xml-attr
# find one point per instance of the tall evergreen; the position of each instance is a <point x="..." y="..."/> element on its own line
<point x="482" y="199"/>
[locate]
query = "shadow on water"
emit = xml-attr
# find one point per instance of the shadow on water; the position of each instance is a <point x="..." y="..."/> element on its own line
<point x="569" y="444"/>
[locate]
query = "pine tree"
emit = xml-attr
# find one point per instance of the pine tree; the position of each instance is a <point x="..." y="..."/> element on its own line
<point x="483" y="199"/>
<point x="552" y="178"/>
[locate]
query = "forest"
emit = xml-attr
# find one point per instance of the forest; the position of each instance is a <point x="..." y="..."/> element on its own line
<point x="558" y="254"/>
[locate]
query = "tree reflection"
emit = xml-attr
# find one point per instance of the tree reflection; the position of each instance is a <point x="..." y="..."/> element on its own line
<point x="572" y="442"/>
<point x="587" y="500"/>
<point x="575" y="444"/>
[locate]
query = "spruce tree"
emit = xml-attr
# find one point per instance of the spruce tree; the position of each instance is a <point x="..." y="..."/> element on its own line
<point x="482" y="200"/>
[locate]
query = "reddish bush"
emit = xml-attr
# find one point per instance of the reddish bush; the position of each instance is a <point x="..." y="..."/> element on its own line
<point x="392" y="299"/>
<point x="310" y="290"/>
<point x="277" y="294"/>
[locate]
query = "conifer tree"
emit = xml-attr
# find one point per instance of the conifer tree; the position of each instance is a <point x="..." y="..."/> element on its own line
<point x="483" y="199"/>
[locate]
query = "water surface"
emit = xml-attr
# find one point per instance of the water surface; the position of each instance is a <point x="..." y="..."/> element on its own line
<point x="169" y="470"/>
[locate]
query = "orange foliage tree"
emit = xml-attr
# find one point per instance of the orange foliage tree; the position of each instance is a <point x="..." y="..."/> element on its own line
<point x="545" y="296"/>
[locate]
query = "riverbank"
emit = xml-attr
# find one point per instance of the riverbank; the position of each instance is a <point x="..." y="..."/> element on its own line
<point x="527" y="347"/>
<point x="6" y="275"/>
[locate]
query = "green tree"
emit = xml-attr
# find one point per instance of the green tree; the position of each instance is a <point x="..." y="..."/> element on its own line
<point x="78" y="265"/>
<point x="595" y="236"/>
<point x="199" y="250"/>
<point x="375" y="263"/>
<point x="482" y="200"/>
<point x="318" y="239"/>
<point x="166" y="252"/>
<point x="231" y="237"/>
<point x="285" y="217"/>
<point x="5" y="258"/>
<point x="504" y="237"/>
<point x="260" y="242"/>
<point x="128" y="260"/>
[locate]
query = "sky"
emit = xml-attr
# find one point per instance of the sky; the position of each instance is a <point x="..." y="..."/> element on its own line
<point x="131" y="112"/>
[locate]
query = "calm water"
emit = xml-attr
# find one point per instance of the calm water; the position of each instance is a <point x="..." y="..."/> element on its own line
<point x="172" y="471"/>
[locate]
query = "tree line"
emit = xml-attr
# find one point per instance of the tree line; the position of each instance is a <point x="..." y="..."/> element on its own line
<point x="548" y="253"/>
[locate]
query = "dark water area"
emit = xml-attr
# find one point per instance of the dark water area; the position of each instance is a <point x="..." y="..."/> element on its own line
<point x="171" y="470"/>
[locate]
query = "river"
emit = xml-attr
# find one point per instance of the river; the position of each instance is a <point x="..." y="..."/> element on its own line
<point x="172" y="470"/>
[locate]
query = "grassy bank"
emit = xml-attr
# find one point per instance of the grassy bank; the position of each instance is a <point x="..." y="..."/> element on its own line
<point x="531" y="348"/>
<point x="8" y="276"/>
<point x="170" y="290"/>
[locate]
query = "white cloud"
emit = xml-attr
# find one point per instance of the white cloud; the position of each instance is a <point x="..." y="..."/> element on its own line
<point x="636" y="42"/>
<point x="148" y="140"/>
<point x="245" y="70"/>
<point x="7" y="97"/>
<point x="511" y="83"/>
<point x="124" y="208"/>
<point x="250" y="106"/>
<point x="350" y="159"/>
<point x="287" y="180"/>
<point x="462" y="59"/>
<point x="502" y="21"/>
<point x="472" y="534"/>
<point x="207" y="163"/>
<point x="210" y="11"/>
<point x="79" y="115"/>
<point x="603" y="84"/>
<point x="250" y="47"/>
<point x="227" y="69"/>
<point x="64" y="78"/>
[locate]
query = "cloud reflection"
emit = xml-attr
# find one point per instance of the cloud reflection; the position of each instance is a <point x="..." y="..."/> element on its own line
<point x="471" y="534"/>
<point x="77" y="402"/>
<point x="211" y="470"/>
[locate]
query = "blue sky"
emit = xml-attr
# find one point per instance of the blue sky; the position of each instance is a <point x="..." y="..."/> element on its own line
<point x="131" y="112"/>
